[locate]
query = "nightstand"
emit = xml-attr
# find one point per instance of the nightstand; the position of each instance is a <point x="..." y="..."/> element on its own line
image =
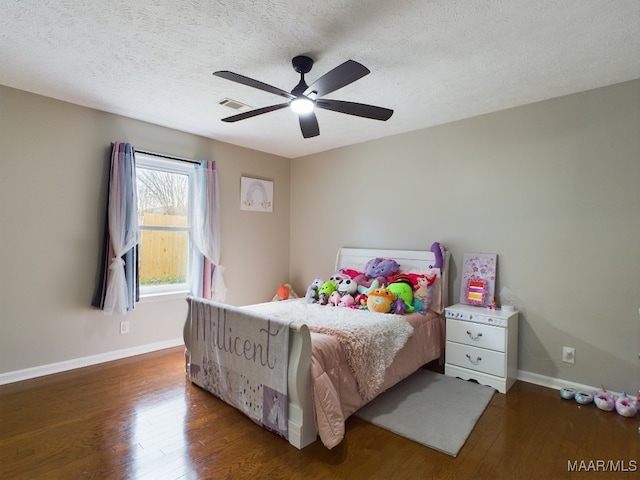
<point x="482" y="345"/>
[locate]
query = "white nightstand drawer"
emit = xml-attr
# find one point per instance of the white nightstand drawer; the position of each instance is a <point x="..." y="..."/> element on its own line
<point x="473" y="358"/>
<point x="476" y="334"/>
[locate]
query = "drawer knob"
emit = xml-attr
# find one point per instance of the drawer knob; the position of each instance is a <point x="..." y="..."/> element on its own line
<point x="472" y="337"/>
<point x="476" y="361"/>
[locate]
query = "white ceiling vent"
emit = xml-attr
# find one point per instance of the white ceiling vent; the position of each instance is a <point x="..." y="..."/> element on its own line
<point x="234" y="104"/>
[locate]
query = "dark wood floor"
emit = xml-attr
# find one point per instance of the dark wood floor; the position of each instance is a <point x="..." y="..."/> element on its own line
<point x="139" y="418"/>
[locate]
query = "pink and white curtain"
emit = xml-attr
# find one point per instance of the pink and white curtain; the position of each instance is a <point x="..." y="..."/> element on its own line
<point x="206" y="279"/>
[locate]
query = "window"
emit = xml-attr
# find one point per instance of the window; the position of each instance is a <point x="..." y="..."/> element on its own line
<point x="164" y="215"/>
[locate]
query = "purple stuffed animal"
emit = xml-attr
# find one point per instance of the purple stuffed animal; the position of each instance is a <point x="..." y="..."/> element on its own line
<point x="440" y="253"/>
<point x="381" y="267"/>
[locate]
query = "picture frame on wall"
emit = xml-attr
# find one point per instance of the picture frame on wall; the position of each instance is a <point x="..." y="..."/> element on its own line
<point x="256" y="195"/>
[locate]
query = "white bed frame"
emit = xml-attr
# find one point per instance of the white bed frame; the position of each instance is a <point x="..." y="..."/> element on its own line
<point x="302" y="430"/>
<point x="301" y="426"/>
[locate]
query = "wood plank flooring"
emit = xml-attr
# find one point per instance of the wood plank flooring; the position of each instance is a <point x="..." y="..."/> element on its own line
<point x="140" y="418"/>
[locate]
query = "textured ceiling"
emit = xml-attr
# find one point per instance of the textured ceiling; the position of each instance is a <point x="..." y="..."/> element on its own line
<point x="431" y="61"/>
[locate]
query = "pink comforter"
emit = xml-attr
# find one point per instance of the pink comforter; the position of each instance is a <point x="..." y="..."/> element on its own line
<point x="336" y="394"/>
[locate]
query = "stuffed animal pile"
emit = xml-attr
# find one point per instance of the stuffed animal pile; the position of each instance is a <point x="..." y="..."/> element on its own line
<point x="381" y="287"/>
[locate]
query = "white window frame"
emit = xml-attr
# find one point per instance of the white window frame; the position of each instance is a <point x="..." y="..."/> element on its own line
<point x="162" y="164"/>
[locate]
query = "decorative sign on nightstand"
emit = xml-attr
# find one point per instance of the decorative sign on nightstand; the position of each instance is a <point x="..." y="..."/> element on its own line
<point x="478" y="278"/>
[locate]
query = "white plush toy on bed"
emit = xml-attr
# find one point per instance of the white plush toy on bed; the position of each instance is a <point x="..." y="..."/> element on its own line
<point x="312" y="290"/>
<point x="347" y="287"/>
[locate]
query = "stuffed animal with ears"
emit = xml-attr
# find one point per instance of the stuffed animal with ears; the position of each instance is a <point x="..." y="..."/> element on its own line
<point x="346" y="286"/>
<point x="325" y="291"/>
<point x="312" y="290"/>
<point x="347" y="301"/>
<point x="403" y="291"/>
<point x="381" y="267"/>
<point x="375" y="274"/>
<point x="334" y="299"/>
<point x="338" y="277"/>
<point x="380" y="300"/>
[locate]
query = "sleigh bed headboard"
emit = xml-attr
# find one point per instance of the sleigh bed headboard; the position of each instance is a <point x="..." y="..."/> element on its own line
<point x="409" y="260"/>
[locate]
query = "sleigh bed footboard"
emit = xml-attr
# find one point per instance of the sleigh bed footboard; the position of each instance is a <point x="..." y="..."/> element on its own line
<point x="210" y="334"/>
<point x="302" y="429"/>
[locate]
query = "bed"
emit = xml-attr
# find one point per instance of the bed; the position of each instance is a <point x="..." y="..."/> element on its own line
<point x="300" y="369"/>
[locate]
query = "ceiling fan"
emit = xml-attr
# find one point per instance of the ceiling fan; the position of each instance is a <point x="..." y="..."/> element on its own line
<point x="303" y="98"/>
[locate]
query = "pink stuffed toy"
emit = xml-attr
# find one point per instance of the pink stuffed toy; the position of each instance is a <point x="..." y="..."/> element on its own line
<point x="347" y="301"/>
<point x="334" y="298"/>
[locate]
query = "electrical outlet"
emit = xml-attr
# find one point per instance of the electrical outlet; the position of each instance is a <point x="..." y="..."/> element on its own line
<point x="568" y="355"/>
<point x="124" y="327"/>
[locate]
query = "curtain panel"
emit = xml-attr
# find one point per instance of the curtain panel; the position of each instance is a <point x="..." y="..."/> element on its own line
<point x="207" y="280"/>
<point x="118" y="287"/>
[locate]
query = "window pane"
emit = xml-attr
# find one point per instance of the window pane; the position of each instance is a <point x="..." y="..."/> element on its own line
<point x="162" y="202"/>
<point x="163" y="257"/>
<point x="162" y="192"/>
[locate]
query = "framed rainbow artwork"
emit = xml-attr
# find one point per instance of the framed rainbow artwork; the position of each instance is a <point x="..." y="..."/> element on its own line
<point x="256" y="195"/>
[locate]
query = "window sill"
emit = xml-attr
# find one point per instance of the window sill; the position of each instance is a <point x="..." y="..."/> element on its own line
<point x="152" y="297"/>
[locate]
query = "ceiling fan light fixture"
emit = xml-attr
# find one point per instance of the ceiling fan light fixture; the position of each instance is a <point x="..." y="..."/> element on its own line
<point x="302" y="105"/>
<point x="304" y="99"/>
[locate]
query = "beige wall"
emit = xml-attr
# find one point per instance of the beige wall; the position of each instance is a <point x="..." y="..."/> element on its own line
<point x="552" y="188"/>
<point x="53" y="173"/>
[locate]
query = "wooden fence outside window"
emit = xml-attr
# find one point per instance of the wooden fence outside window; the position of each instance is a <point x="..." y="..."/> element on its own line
<point x="163" y="254"/>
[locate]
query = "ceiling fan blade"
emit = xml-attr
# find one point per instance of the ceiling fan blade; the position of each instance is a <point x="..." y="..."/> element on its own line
<point x="254" y="113"/>
<point x="342" y="75"/>
<point x="357" y="109"/>
<point x="309" y="125"/>
<point x="235" y="77"/>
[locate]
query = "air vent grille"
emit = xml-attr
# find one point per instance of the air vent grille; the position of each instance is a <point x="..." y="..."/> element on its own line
<point x="233" y="104"/>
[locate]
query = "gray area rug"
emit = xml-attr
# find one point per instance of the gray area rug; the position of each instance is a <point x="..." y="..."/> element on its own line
<point x="430" y="408"/>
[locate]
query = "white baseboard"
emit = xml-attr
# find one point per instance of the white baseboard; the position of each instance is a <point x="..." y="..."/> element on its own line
<point x="34" y="372"/>
<point x="40" y="371"/>
<point x="556" y="383"/>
